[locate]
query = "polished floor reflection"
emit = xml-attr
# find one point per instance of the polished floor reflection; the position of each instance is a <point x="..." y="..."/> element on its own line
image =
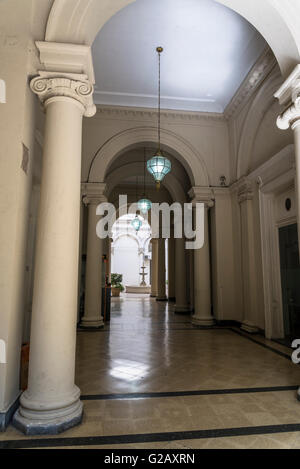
<point x="151" y="380"/>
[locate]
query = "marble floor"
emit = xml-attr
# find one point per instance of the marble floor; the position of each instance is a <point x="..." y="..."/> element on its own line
<point x="151" y="380"/>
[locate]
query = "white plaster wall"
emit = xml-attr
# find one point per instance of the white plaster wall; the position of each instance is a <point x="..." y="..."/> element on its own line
<point x="208" y="133"/>
<point x="16" y="127"/>
<point x="126" y="261"/>
<point x="225" y="287"/>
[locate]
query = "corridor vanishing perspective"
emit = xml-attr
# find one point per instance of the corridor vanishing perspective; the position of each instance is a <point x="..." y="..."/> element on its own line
<point x="150" y="380"/>
<point x="149" y="224"/>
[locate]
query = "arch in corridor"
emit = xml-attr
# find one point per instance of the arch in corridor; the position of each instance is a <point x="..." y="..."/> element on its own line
<point x="134" y="238"/>
<point x="274" y="19"/>
<point x="128" y="249"/>
<point x="190" y="158"/>
<point x="77" y="22"/>
<point x="172" y="185"/>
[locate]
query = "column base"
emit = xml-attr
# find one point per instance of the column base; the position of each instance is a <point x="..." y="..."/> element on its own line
<point x="247" y="326"/>
<point x="153" y="296"/>
<point x="34" y="422"/>
<point x="163" y="298"/>
<point x="93" y="323"/>
<point x="203" y="322"/>
<point x="172" y="299"/>
<point x="182" y="309"/>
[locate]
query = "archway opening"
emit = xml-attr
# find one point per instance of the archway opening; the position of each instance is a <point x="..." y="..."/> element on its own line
<point x="131" y="256"/>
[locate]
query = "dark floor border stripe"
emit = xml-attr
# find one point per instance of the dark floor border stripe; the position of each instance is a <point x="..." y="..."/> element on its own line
<point x="149" y="437"/>
<point x="283" y="344"/>
<point x="195" y="329"/>
<point x="251" y="339"/>
<point x="213" y="392"/>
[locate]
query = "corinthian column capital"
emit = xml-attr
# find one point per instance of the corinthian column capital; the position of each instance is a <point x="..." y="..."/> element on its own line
<point x="79" y="88"/>
<point x="291" y="116"/>
<point x="289" y="96"/>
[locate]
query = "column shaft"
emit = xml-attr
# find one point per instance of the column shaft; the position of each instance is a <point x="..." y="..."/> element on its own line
<point x="181" y="306"/>
<point x="154" y="268"/>
<point x="51" y="402"/>
<point x="202" y="279"/>
<point x="171" y="269"/>
<point x="161" y="272"/>
<point x="249" y="266"/>
<point x="93" y="281"/>
<point x="296" y="128"/>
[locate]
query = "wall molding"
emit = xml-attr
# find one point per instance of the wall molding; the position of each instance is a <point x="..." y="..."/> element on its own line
<point x="273" y="178"/>
<point x="259" y="72"/>
<point x="138" y="114"/>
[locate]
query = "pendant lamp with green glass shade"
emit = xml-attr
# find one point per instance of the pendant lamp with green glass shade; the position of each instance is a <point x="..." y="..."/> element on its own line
<point x="159" y="166"/>
<point x="144" y="204"/>
<point x="136" y="222"/>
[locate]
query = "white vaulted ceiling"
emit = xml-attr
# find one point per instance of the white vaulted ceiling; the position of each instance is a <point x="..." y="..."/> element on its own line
<point x="209" y="50"/>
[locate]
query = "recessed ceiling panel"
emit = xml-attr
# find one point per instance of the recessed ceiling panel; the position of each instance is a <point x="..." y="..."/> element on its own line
<point x="208" y="51"/>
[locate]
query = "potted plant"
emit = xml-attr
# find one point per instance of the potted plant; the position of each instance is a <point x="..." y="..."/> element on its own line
<point x="116" y="284"/>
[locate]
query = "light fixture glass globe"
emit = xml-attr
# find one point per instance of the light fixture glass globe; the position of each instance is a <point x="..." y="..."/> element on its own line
<point x="159" y="167"/>
<point x="136" y="223"/>
<point x="144" y="205"/>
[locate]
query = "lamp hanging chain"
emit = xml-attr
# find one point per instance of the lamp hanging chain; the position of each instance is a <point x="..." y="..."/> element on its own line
<point x="144" y="171"/>
<point x="159" y="98"/>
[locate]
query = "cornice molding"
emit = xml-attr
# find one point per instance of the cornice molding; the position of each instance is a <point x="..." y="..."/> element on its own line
<point x="202" y="195"/>
<point x="93" y="193"/>
<point x="66" y="58"/>
<point x="254" y="79"/>
<point x="138" y="114"/>
<point x="281" y="163"/>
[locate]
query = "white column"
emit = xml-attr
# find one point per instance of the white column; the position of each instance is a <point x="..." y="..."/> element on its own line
<point x="191" y="280"/>
<point x="181" y="306"/>
<point x="52" y="403"/>
<point x="154" y="268"/>
<point x="107" y="251"/>
<point x="161" y="271"/>
<point x="289" y="96"/>
<point x="249" y="270"/>
<point x="296" y="129"/>
<point x="171" y="268"/>
<point x="93" y="278"/>
<point x="202" y="279"/>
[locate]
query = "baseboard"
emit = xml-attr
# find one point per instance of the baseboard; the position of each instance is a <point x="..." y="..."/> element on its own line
<point x="228" y="323"/>
<point x="6" y="417"/>
<point x="233" y="323"/>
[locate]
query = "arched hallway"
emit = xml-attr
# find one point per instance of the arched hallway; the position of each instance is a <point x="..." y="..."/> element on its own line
<point x="150" y="379"/>
<point x="208" y="355"/>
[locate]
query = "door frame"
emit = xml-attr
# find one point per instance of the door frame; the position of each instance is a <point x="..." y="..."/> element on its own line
<point x="274" y="178"/>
